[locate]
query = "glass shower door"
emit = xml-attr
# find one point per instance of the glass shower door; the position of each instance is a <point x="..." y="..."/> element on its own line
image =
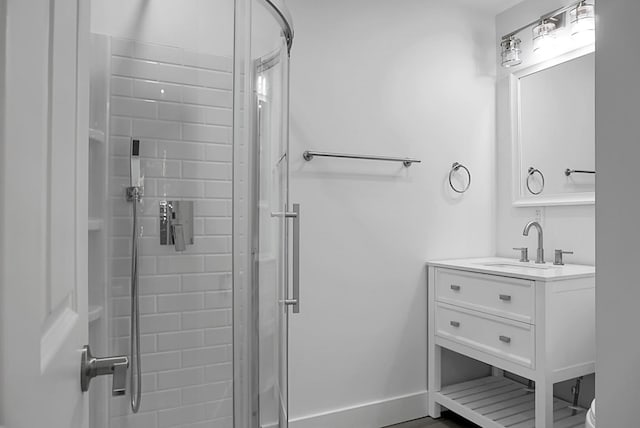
<point x="274" y="219"/>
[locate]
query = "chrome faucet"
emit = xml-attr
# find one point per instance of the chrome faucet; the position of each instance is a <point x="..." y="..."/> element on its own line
<point x="525" y="232"/>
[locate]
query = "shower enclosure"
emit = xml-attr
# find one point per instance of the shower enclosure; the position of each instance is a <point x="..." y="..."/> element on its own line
<point x="193" y="243"/>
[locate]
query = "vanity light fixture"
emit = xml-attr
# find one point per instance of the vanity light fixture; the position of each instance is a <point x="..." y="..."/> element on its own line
<point x="543" y="35"/>
<point x="511" y="52"/>
<point x="583" y="22"/>
<point x="580" y="15"/>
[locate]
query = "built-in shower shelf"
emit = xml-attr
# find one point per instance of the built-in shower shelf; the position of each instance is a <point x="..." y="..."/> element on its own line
<point x="95" y="223"/>
<point x="96" y="136"/>
<point x="95" y="312"/>
<point x="498" y="402"/>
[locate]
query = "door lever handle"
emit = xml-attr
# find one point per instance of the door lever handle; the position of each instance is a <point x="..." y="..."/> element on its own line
<point x="91" y="367"/>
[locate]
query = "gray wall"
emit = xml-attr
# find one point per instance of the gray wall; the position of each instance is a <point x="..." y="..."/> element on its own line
<point x="617" y="212"/>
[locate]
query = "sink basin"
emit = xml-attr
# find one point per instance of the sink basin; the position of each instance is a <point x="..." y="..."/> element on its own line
<point x="519" y="265"/>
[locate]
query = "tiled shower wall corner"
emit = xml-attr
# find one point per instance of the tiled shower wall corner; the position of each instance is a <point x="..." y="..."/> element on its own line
<point x="179" y="104"/>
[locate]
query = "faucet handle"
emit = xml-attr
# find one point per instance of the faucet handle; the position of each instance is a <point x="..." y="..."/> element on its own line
<point x="558" y="257"/>
<point x="524" y="254"/>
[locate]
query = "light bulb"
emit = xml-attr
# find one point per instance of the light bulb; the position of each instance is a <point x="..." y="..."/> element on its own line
<point x="583" y="23"/>
<point x="543" y="35"/>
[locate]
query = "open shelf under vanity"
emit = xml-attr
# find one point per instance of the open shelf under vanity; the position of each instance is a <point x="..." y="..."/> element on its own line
<point x="498" y="402"/>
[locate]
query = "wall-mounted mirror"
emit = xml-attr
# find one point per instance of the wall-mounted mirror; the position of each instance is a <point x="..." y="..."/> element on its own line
<point x="553" y="128"/>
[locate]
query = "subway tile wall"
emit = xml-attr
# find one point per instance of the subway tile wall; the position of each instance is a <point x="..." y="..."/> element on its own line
<point x="179" y="104"/>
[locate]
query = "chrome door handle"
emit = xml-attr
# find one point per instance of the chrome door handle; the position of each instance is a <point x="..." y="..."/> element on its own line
<point x="455" y="287"/>
<point x="505" y="297"/>
<point x="454" y="323"/>
<point x="295" y="302"/>
<point x="91" y="367"/>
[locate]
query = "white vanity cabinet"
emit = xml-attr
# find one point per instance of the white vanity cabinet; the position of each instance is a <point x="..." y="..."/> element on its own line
<point x="536" y="321"/>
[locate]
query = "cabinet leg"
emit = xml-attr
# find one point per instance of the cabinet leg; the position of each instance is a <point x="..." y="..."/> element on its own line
<point x="435" y="380"/>
<point x="544" y="404"/>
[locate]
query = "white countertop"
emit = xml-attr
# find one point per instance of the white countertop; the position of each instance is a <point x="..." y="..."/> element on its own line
<point x="515" y="269"/>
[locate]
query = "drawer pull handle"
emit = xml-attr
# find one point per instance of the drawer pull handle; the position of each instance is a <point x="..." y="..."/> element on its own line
<point x="455" y="287"/>
<point x="454" y="323"/>
<point x="505" y="339"/>
<point x="505" y="297"/>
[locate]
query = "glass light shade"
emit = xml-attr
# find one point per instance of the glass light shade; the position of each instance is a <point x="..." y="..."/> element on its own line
<point x="543" y="35"/>
<point x="583" y="22"/>
<point x="511" y="52"/>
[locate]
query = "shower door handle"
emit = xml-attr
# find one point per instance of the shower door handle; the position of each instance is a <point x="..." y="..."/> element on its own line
<point x="295" y="302"/>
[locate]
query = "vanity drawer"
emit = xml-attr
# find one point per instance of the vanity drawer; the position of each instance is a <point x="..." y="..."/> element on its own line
<point x="510" y="340"/>
<point x="498" y="295"/>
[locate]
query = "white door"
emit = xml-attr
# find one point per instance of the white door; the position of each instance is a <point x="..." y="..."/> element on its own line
<point x="43" y="194"/>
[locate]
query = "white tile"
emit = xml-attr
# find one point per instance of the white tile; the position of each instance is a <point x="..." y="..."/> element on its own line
<point x="159" y="323"/>
<point x="221" y="63"/>
<point x="122" y="226"/>
<point x="176" y="74"/>
<point x="122" y="266"/>
<point x="206" y="170"/>
<point x="213" y="208"/>
<point x="139" y="69"/>
<point x="121" y="146"/>
<point x="193" y="413"/>
<point x="156" y="129"/>
<point x="214" y="79"/>
<point x="218" y="263"/>
<point x="218" y="226"/>
<point x="218" y="372"/>
<point x="178" y="378"/>
<point x="121" y="47"/>
<point x="180" y="302"/>
<point x="180" y="150"/>
<point x="205" y="356"/>
<point x="208" y="392"/>
<point x="181" y="189"/>
<point x="122" y="306"/>
<point x="218" y="116"/>
<point x="206" y="319"/>
<point x="157" y="284"/>
<point x="198" y="226"/>
<point x="210" y="245"/>
<point x="206" y="282"/>
<point x="207" y="97"/>
<point x="121" y="247"/>
<point x="150" y="401"/>
<point x="218" y="152"/>
<point x="182" y="112"/>
<point x="218" y="336"/>
<point x="161" y="361"/>
<point x="120" y="126"/>
<point x="120" y="327"/>
<point x="157" y="53"/>
<point x="121" y="86"/>
<point x="216" y="423"/>
<point x="160" y="91"/>
<point x="160" y="168"/>
<point x="121" y="345"/>
<point x="180" y="340"/>
<point x="218" y="189"/>
<point x="206" y="133"/>
<point x="149" y="382"/>
<point x="218" y="299"/>
<point x="132" y="107"/>
<point x="140" y="420"/>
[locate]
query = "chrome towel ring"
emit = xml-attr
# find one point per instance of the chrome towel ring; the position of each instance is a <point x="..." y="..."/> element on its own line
<point x="454" y="168"/>
<point x="532" y="171"/>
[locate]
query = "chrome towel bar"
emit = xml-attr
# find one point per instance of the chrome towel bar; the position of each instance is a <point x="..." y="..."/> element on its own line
<point x="568" y="171"/>
<point x="308" y="155"/>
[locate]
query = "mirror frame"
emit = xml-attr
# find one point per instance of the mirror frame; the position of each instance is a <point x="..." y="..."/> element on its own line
<point x="518" y="169"/>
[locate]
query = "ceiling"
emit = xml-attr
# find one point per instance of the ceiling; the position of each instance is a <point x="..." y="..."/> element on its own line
<point x="493" y="6"/>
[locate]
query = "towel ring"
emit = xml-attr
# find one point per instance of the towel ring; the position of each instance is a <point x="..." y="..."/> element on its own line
<point x="455" y="167"/>
<point x="532" y="171"/>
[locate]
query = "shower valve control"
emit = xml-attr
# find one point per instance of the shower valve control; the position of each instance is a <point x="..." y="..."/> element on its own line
<point x="176" y="224"/>
<point x="91" y="367"/>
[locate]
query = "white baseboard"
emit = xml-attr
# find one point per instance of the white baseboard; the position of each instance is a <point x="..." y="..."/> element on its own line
<point x="375" y="414"/>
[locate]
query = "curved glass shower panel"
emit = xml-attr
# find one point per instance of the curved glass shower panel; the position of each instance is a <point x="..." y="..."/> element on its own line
<point x="270" y="77"/>
<point x="162" y="121"/>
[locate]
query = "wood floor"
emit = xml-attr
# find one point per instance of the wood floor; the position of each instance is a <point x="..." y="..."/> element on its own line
<point x="448" y="420"/>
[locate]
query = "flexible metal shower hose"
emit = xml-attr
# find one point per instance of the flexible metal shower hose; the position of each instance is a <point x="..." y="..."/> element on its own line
<point x="135" y="372"/>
